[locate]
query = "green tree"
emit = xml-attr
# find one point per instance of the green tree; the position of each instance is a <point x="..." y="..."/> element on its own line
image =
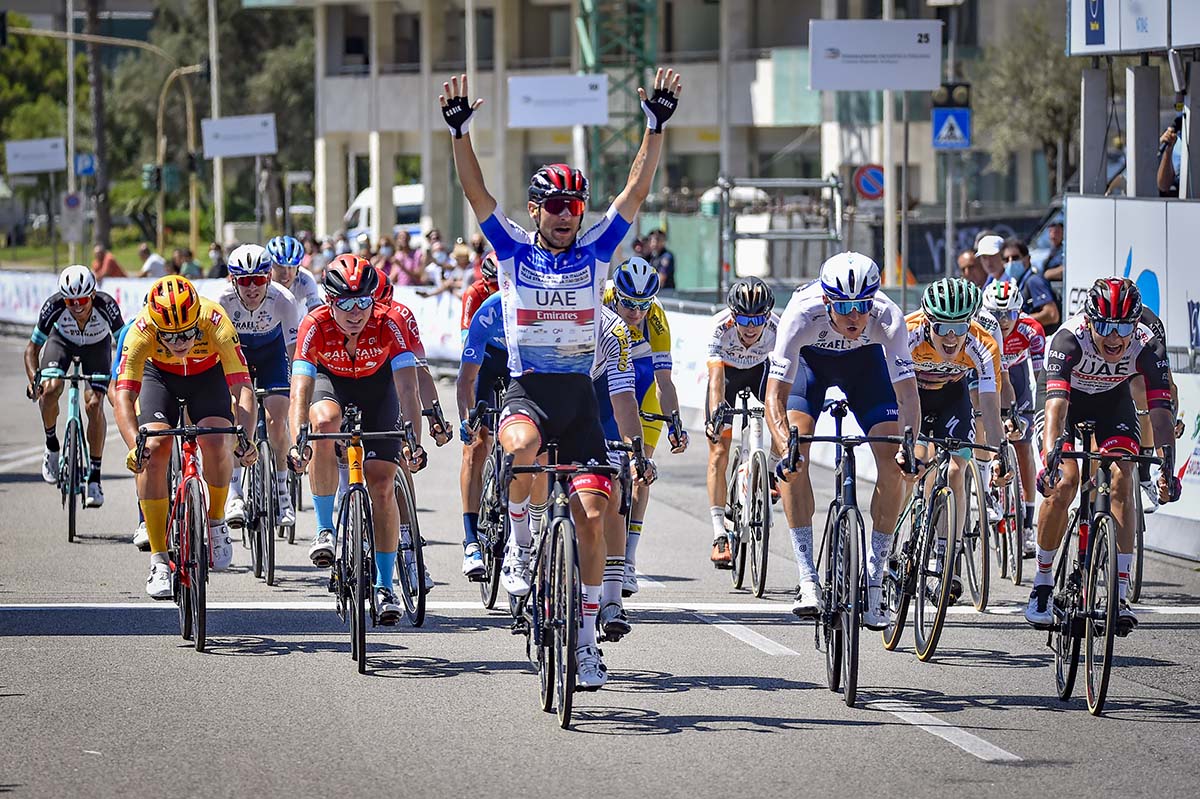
<point x="103" y="228"/>
<point x="1027" y="95"/>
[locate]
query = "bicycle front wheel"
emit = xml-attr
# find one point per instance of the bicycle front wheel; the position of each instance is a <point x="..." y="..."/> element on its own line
<point x="1139" y="544"/>
<point x="898" y="576"/>
<point x="974" y="539"/>
<point x="270" y="508"/>
<point x="849" y="592"/>
<point x="568" y="608"/>
<point x="70" y="471"/>
<point x="736" y="512"/>
<point x="197" y="516"/>
<point x="829" y="628"/>
<point x="410" y="564"/>
<point x="757" y="530"/>
<point x="354" y="534"/>
<point x="1064" y="638"/>
<point x="296" y="488"/>
<point x="254" y="513"/>
<point x="935" y="573"/>
<point x="491" y="533"/>
<point x="177" y="532"/>
<point x="1013" y="509"/>
<point x="1100" y="604"/>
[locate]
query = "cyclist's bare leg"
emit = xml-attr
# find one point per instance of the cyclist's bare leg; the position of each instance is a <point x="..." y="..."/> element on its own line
<point x="1052" y="516"/>
<point x="470" y="473"/>
<point x="277" y="432"/>
<point x="520" y="438"/>
<point x="888" y="494"/>
<point x="52" y="390"/>
<point x="641" y="493"/>
<point x="97" y="423"/>
<point x="587" y="511"/>
<point x="718" y="463"/>
<point x="380" y="475"/>
<point x="797" y="493"/>
<point x="324" y="417"/>
<point x="218" y="464"/>
<point x="614" y="524"/>
<point x="152" y="482"/>
<point x="1124" y="483"/>
<point x="956" y="476"/>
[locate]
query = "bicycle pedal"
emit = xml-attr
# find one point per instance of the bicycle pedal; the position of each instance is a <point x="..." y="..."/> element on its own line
<point x="519" y="627"/>
<point x="587" y="689"/>
<point x="476" y="578"/>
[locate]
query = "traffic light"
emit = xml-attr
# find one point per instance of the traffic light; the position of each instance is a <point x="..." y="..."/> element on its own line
<point x="151" y="179"/>
<point x="172" y="180"/>
<point x="952" y="95"/>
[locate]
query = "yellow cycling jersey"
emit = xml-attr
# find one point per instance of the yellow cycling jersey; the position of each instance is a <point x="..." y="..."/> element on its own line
<point x="978" y="354"/>
<point x="217" y="344"/>
<point x="652" y="338"/>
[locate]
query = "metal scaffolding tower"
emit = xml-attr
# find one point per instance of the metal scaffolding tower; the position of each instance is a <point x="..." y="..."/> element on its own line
<point x="620" y="38"/>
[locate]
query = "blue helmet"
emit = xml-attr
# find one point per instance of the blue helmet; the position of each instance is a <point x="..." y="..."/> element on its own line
<point x="636" y="279"/>
<point x="249" y="259"/>
<point x="285" y="251"/>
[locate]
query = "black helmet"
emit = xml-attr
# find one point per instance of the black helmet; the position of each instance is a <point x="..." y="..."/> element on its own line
<point x="750" y="296"/>
<point x="489" y="266"/>
<point x="1113" y="299"/>
<point x="557" y="180"/>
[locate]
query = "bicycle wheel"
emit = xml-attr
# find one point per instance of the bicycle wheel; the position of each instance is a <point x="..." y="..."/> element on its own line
<point x="568" y="604"/>
<point x="543" y="607"/>
<point x="736" y="512"/>
<point x="757" y="530"/>
<point x="491" y="533"/>
<point x="899" y="575"/>
<point x="69" y="476"/>
<point x="270" y="510"/>
<point x="254" y="514"/>
<point x="1100" y="604"/>
<point x="354" y="536"/>
<point x="974" y="539"/>
<point x="410" y="563"/>
<point x="1139" y="543"/>
<point x="934" y="574"/>
<point x="177" y="530"/>
<point x="849" y="592"/>
<point x="296" y="488"/>
<point x="829" y="628"/>
<point x="1064" y="638"/>
<point x="197" y="516"/>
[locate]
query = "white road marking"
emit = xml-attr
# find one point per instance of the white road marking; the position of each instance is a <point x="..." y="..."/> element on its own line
<point x="15" y="460"/>
<point x="968" y="742"/>
<point x="646" y="581"/>
<point x="20" y="453"/>
<point x="747" y="636"/>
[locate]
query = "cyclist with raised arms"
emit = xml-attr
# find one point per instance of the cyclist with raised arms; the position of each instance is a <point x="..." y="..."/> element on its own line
<point x="286" y="254"/>
<point x="265" y="317"/>
<point x="950" y="349"/>
<point x="1089" y="365"/>
<point x="1022" y="360"/>
<point x="631" y="297"/>
<point x="182" y="347"/>
<point x="738" y="354"/>
<point x="77" y="321"/>
<point x="352" y="352"/>
<point x="842" y="331"/>
<point x="551" y="281"/>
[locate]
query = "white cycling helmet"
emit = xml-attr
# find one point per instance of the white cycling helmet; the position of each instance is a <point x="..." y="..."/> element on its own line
<point x="1002" y="295"/>
<point x="249" y="259"/>
<point x="850" y="276"/>
<point x="76" y="282"/>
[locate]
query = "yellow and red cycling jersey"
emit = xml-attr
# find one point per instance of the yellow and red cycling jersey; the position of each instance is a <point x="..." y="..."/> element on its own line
<point x="217" y="344"/>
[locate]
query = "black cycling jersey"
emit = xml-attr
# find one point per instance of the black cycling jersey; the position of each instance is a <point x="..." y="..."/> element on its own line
<point x="104" y="321"/>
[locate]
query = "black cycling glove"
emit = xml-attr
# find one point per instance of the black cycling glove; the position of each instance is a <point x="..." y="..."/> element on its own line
<point x="658" y="109"/>
<point x="457" y="112"/>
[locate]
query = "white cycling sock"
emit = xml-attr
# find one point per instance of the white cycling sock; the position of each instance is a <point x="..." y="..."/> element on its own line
<point x="802" y="544"/>
<point x="519" y="513"/>
<point x="881" y="544"/>
<point x="633" y="537"/>
<point x="235" y="482"/>
<point x="1045" y="567"/>
<point x="591" y="609"/>
<point x="718" y="521"/>
<point x="614" y="577"/>
<point x="1123" y="563"/>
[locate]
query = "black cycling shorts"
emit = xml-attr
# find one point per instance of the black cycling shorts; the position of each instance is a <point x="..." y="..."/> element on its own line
<point x="564" y="409"/>
<point x="494" y="368"/>
<point x="1114" y="413"/>
<point x="754" y="378"/>
<point x="206" y="394"/>
<point x="375" y="397"/>
<point x="947" y="413"/>
<point x="93" y="358"/>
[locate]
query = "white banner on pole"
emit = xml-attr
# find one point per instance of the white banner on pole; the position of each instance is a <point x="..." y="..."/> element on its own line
<point x="557" y="101"/>
<point x="236" y="137"/>
<point x="875" y="55"/>
<point x="33" y="156"/>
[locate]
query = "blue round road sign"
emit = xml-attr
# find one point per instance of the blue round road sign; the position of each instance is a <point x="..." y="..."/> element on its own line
<point x="868" y="181"/>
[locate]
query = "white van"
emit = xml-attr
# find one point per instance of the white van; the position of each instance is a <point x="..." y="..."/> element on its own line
<point x="407" y="201"/>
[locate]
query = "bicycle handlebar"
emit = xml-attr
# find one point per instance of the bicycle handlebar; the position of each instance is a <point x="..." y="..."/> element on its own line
<point x="73" y="377"/>
<point x="477" y="414"/>
<point x="190" y="432"/>
<point x="271" y="392"/>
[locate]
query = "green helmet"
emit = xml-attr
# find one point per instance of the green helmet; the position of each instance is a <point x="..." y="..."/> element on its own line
<point x="951" y="299"/>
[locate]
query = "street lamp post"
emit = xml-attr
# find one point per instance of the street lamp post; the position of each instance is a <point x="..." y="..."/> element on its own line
<point x="161" y="140"/>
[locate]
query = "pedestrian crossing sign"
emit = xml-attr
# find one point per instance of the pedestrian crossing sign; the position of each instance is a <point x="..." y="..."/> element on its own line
<point x="951" y="128"/>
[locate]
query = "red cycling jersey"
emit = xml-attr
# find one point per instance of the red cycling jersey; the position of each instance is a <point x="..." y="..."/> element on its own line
<point x="473" y="297"/>
<point x="411" y="331"/>
<point x="1027" y="340"/>
<point x="321" y="346"/>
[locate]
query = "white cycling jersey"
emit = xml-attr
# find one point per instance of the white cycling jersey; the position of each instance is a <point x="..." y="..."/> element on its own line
<point x="806" y="324"/>
<point x="614" y="354"/>
<point x="276" y="316"/>
<point x="305" y="291"/>
<point x="726" y="345"/>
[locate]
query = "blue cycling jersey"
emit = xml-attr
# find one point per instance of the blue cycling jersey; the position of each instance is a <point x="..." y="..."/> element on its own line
<point x="486" y="330"/>
<point x="551" y="303"/>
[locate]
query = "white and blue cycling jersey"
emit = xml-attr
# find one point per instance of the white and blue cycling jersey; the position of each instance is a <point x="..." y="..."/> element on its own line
<point x="306" y="292"/>
<point x="551" y="303"/>
<point x="486" y="331"/>
<point x="276" y="317"/>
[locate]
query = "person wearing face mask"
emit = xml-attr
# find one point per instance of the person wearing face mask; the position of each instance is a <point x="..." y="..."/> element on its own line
<point x="383" y="258"/>
<point x="407" y="260"/>
<point x="1040" y="303"/>
<point x="217" y="268"/>
<point x="341" y="245"/>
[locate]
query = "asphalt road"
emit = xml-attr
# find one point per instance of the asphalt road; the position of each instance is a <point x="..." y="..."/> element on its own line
<point x="714" y="692"/>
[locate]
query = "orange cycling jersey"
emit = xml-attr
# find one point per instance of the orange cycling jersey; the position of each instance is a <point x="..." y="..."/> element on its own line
<point x="979" y="354"/>
<point x="217" y="344"/>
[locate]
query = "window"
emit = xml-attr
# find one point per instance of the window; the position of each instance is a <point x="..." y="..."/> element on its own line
<point x="406" y="39"/>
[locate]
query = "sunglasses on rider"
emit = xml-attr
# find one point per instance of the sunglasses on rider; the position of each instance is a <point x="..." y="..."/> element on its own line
<point x="750" y="321"/>
<point x="556" y="205"/>
<point x="847" y="307"/>
<point x="252" y="280"/>
<point x="352" y="303"/>
<point x="1012" y="316"/>
<point x="635" y="305"/>
<point x="182" y="337"/>
<point x="1122" y="329"/>
<point x="951" y="328"/>
<point x="77" y="302"/>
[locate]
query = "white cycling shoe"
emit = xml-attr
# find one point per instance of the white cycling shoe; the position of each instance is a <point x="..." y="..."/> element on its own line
<point x="514" y="574"/>
<point x="50" y="466"/>
<point x="141" y="539"/>
<point x="1149" y="496"/>
<point x="222" y="546"/>
<point x="287" y="514"/>
<point x="158" y="585"/>
<point x="875" y="615"/>
<point x="629" y="585"/>
<point x="235" y="511"/>
<point x="590" y="672"/>
<point x="472" y="565"/>
<point x="321" y="551"/>
<point x="808" y="600"/>
<point x="95" y="496"/>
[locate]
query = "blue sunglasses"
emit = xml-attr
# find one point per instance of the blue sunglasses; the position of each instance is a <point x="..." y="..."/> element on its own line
<point x="1105" y="328"/>
<point x="951" y="328"/>
<point x="750" y="321"/>
<point x="350" y="303"/>
<point x="847" y="307"/>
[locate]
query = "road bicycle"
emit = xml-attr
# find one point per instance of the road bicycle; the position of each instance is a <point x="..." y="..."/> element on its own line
<point x="925" y="548"/>
<point x="189" y="549"/>
<point x="748" y="494"/>
<point x="258" y="492"/>
<point x="550" y="615"/>
<point x="1086" y="581"/>
<point x="354" y="563"/>
<point x="74" y="461"/>
<point x="840" y="557"/>
<point x="491" y="512"/>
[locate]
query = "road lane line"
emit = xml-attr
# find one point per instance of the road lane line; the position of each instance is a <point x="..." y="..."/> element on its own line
<point x="968" y="742"/>
<point x="17" y="460"/>
<point x="747" y="636"/>
<point x="20" y="453"/>
<point x="645" y="580"/>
